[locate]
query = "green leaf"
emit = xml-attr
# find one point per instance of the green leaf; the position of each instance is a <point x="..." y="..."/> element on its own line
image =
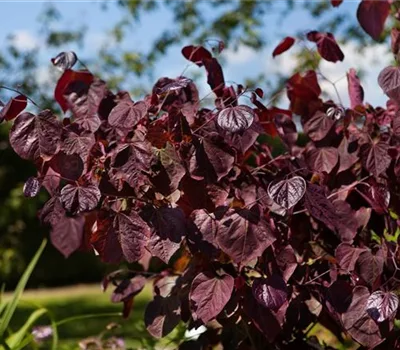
<point x="12" y="304"/>
<point x="15" y="339"/>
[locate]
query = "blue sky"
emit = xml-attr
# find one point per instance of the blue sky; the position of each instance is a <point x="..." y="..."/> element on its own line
<point x="21" y="18"/>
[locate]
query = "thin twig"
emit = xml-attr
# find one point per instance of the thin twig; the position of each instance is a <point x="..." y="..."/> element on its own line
<point x="19" y="92"/>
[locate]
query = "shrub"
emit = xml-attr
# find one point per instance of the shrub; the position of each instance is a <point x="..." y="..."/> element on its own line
<point x="257" y="248"/>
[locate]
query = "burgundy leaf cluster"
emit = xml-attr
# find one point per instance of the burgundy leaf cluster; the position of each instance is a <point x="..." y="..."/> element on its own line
<point x="257" y="248"/>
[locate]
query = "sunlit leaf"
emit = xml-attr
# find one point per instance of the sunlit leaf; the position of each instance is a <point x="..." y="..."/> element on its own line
<point x="235" y="119"/>
<point x="76" y="198"/>
<point x="64" y="60"/>
<point x="209" y="295"/>
<point x="31" y="187"/>
<point x="287" y="192"/>
<point x="270" y="292"/>
<point x="382" y="305"/>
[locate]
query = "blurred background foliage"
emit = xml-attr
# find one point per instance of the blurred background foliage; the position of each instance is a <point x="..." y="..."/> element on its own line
<point x="237" y="23"/>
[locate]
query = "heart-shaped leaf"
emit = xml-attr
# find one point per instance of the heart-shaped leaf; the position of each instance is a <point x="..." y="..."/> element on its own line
<point x="389" y="81"/>
<point x="372" y="16"/>
<point x="288" y="192"/>
<point x="65" y="60"/>
<point x="31" y="187"/>
<point x="14" y="107"/>
<point x="326" y="45"/>
<point x="375" y="157"/>
<point x="382" y="305"/>
<point x="244" y="235"/>
<point x="270" y="292"/>
<point x="322" y="159"/>
<point x="175" y="85"/>
<point x="209" y="295"/>
<point x="236" y="118"/>
<point x="77" y="198"/>
<point x="34" y="136"/>
<point x="127" y="114"/>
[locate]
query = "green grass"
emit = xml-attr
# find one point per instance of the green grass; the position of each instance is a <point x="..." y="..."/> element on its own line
<point x="84" y="300"/>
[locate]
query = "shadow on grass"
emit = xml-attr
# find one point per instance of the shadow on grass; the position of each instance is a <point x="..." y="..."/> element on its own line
<point x="65" y="306"/>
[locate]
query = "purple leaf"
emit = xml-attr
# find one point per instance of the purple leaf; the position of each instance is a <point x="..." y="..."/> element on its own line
<point x="358" y="323"/>
<point x="64" y="60"/>
<point x="128" y="288"/>
<point x="52" y="212"/>
<point x="31" y="187"/>
<point x="67" y="166"/>
<point x="270" y="292"/>
<point x="356" y="91"/>
<point x="202" y="233"/>
<point x="389" y="81"/>
<point x="319" y="206"/>
<point x="375" y="157"/>
<point x="287" y="262"/>
<point x="127" y="114"/>
<point x="170" y="227"/>
<point x="177" y="84"/>
<point x="347" y="159"/>
<point x="13" y="107"/>
<point x="283" y="46"/>
<point x="221" y="161"/>
<point x="286" y="193"/>
<point x="77" y="198"/>
<point x="130" y="160"/>
<point x="318" y="126"/>
<point x="347" y="256"/>
<point x="33" y="136"/>
<point x="382" y="306"/>
<point x="322" y="159"/>
<point x="336" y="112"/>
<point x="196" y="54"/>
<point x="370" y="266"/>
<point x="261" y="317"/>
<point x="67" y="234"/>
<point x="209" y="295"/>
<point x="372" y="16"/>
<point x="133" y="235"/>
<point x="326" y="46"/>
<point x="236" y="118"/>
<point x="162" y="315"/>
<point x="80" y="144"/>
<point x="105" y="240"/>
<point x="244" y="235"/>
<point x="172" y="164"/>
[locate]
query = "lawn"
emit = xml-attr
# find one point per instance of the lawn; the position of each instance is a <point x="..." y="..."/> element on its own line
<point x="85" y="300"/>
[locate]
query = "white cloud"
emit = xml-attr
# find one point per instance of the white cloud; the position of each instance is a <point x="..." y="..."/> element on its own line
<point x="371" y="61"/>
<point x="243" y="54"/>
<point x="24" y="40"/>
<point x="44" y="76"/>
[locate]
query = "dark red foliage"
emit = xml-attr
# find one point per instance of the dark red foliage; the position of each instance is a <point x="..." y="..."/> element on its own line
<point x="14" y="107"/>
<point x="326" y="46"/>
<point x="251" y="238"/>
<point x="372" y="16"/>
<point x="283" y="46"/>
<point x="336" y="3"/>
<point x="356" y="91"/>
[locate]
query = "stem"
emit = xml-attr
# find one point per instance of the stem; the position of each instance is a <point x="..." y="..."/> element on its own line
<point x="19" y="92"/>
<point x="349" y="186"/>
<point x="82" y="317"/>
<point x="246" y="327"/>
